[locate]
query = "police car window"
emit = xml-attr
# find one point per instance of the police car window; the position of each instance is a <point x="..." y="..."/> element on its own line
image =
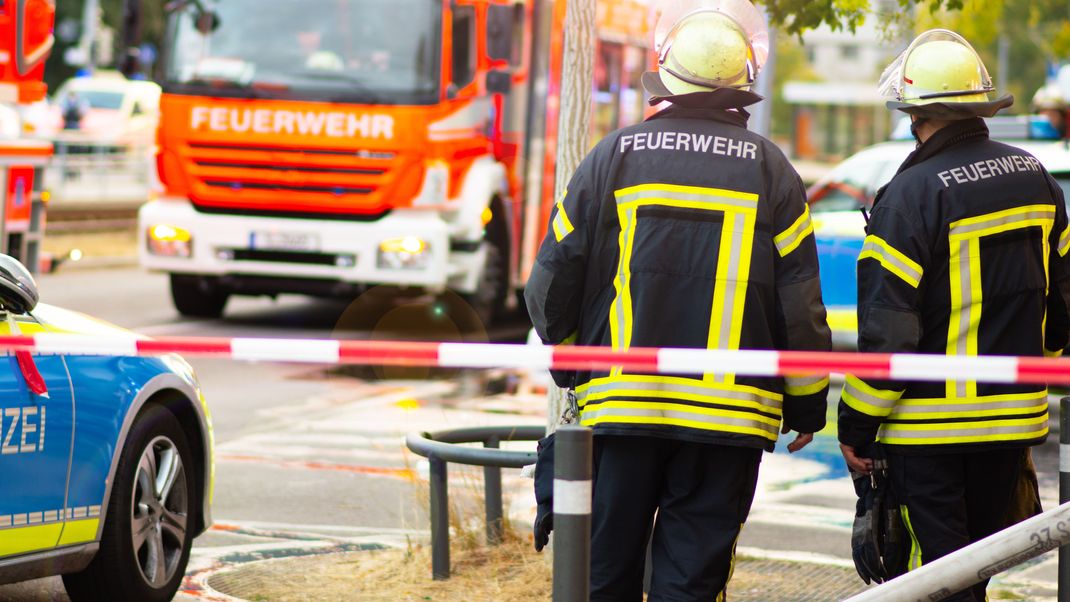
<point x="851" y="184"/>
<point x="1063" y="178"/>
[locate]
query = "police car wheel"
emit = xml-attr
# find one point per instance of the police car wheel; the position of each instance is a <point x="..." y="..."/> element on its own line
<point x="197" y="296"/>
<point x="151" y="515"/>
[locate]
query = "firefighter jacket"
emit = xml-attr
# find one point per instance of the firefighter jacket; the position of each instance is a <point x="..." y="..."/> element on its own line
<point x="965" y="255"/>
<point x="687" y="231"/>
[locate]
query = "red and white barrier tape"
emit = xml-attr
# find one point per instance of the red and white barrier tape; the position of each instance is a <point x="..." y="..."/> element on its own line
<point x="639" y="360"/>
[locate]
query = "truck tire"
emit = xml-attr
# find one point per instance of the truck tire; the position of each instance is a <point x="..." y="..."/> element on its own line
<point x="151" y="516"/>
<point x="488" y="300"/>
<point x="197" y="297"/>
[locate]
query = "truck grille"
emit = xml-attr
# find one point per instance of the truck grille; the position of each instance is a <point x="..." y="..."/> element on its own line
<point x="295" y="180"/>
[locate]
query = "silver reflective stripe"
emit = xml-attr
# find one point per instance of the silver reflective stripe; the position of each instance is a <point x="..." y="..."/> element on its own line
<point x="604" y="414"/>
<point x="685" y="196"/>
<point x="877" y="249"/>
<point x="947" y="433"/>
<point x="802" y="228"/>
<point x="1005" y="220"/>
<point x="1064" y="242"/>
<point x="966" y="312"/>
<point x="906" y="409"/>
<point x="849" y="388"/>
<point x="680" y="389"/>
<point x="803" y="381"/>
<point x="622" y="279"/>
<point x="735" y="221"/>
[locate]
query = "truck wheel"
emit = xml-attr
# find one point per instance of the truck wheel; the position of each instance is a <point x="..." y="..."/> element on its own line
<point x="197" y="297"/>
<point x="488" y="300"/>
<point x="152" y="510"/>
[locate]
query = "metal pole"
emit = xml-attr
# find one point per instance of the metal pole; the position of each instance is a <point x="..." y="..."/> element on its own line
<point x="1064" y="493"/>
<point x="492" y="494"/>
<point x="572" y="514"/>
<point x="573" y="125"/>
<point x="976" y="562"/>
<point x="440" y="520"/>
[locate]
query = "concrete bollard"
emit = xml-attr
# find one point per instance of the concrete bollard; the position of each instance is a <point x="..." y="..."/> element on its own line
<point x="572" y="514"/>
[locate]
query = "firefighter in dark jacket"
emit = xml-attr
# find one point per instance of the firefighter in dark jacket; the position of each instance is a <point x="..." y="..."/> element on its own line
<point x="684" y="231"/>
<point x="965" y="255"/>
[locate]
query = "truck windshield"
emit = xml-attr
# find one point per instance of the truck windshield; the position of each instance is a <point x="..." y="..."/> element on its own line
<point x="373" y="51"/>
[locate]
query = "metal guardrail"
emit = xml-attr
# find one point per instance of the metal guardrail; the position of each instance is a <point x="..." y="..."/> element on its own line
<point x="441" y="448"/>
<point x="87" y="173"/>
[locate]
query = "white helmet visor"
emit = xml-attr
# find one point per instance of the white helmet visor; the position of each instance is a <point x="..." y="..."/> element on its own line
<point x="669" y="14"/>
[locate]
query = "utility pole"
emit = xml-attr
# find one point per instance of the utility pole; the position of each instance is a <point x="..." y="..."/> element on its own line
<point x="573" y="125"/>
<point x="90" y="22"/>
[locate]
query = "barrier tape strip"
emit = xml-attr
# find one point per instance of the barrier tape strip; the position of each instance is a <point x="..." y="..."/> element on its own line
<point x="914" y="367"/>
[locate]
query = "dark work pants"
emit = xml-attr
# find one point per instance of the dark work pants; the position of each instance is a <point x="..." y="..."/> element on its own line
<point x="702" y="494"/>
<point x="955" y="499"/>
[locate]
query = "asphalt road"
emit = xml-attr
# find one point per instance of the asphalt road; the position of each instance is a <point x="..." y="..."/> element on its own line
<point x="311" y="460"/>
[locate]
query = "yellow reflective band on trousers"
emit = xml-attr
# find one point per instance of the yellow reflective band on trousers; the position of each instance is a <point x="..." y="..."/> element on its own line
<point x="733" y="259"/>
<point x="980" y="431"/>
<point x="967" y="296"/>
<point x="893" y="260"/>
<point x="721" y="595"/>
<point x="790" y="239"/>
<point x="805" y="385"/>
<point x="914" y="561"/>
<point x="562" y="225"/>
<point x="871" y="401"/>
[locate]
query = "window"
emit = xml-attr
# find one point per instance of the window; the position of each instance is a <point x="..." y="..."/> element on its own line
<point x="849" y="51"/>
<point x="464" y="55"/>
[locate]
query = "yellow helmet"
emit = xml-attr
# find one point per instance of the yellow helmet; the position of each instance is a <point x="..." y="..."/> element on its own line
<point x="940" y="75"/>
<point x="706" y="45"/>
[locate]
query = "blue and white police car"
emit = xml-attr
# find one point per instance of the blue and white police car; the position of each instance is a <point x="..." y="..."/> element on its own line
<point x="105" y="462"/>
<point x="835" y="202"/>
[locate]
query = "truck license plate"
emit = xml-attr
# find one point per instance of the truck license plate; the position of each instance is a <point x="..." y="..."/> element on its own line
<point x="284" y="241"/>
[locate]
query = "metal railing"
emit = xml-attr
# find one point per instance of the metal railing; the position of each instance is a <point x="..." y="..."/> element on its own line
<point x="92" y="173"/>
<point x="442" y="447"/>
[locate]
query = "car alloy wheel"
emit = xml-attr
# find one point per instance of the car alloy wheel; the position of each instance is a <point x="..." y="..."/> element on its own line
<point x="159" y="511"/>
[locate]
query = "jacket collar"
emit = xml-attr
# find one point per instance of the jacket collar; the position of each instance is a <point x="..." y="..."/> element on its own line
<point x="737" y="117"/>
<point x="951" y="135"/>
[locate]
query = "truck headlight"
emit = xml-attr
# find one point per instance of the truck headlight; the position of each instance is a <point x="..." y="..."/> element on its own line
<point x="405" y="253"/>
<point x="169" y="241"/>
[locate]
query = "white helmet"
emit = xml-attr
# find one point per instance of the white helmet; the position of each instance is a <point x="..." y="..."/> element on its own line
<point x="706" y="45"/>
<point x="1049" y="98"/>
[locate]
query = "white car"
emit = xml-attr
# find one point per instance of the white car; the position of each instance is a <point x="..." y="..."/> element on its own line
<point x="118" y="110"/>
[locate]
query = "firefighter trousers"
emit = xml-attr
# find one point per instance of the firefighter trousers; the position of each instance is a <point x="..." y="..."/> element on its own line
<point x="953" y="500"/>
<point x="701" y="494"/>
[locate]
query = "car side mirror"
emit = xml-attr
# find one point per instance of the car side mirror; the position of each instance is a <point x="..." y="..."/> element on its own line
<point x="18" y="290"/>
<point x="499" y="82"/>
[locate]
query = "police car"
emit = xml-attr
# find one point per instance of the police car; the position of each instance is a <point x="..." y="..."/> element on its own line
<point x="105" y="462"/>
<point x="835" y="202"/>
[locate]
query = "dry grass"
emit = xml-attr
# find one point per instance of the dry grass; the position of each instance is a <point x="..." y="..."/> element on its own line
<point x="511" y="571"/>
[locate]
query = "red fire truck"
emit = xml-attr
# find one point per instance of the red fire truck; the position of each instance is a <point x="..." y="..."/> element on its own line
<point x="326" y="146"/>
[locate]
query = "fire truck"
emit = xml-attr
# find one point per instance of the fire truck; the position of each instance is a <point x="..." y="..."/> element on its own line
<point x="323" y="147"/>
<point x="26" y="41"/>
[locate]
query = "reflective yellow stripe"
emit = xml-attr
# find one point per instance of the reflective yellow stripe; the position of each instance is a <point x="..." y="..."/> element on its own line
<point x="1022" y="429"/>
<point x="915" y="548"/>
<point x="733" y="259"/>
<point x="20" y="540"/>
<point x="863" y="398"/>
<point x="1049" y="353"/>
<point x="971" y="407"/>
<point x="637" y="386"/>
<point x="805" y="385"/>
<point x="79" y="531"/>
<point x="967" y="295"/>
<point x="875" y="247"/>
<point x="790" y="239"/>
<point x="671" y="414"/>
<point x="562" y="225"/>
<point x="1064" y="242"/>
<point x="721" y="595"/>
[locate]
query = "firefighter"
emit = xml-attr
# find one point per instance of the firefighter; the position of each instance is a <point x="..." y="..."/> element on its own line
<point x="1048" y="102"/>
<point x="685" y="231"/>
<point x="965" y="255"/>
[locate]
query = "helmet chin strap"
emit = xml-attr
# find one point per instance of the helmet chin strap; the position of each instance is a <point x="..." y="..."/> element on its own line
<point x="915" y="123"/>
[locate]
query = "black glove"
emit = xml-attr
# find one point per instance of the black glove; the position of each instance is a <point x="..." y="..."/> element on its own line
<point x="879" y="545"/>
<point x="544" y="492"/>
